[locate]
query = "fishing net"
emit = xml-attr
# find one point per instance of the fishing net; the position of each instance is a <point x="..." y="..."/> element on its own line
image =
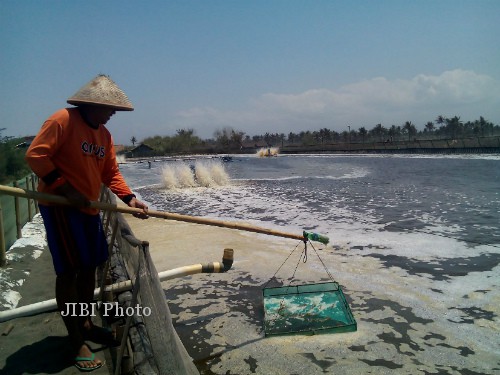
<point x="306" y="309"/>
<point x="155" y="344"/>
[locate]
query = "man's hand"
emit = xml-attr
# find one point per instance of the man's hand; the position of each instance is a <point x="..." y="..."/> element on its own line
<point x="74" y="196"/>
<point x="135" y="203"/>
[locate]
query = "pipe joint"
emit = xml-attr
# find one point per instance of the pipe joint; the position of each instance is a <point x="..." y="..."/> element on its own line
<point x="227" y="259"/>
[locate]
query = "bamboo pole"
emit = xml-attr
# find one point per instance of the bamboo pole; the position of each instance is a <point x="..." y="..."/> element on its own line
<point x="17" y="192"/>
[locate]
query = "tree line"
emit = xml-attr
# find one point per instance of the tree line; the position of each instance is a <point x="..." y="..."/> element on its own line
<point x="442" y="128"/>
<point x="228" y="138"/>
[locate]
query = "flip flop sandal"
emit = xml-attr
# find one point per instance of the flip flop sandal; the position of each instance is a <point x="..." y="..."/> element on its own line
<point x="87" y="359"/>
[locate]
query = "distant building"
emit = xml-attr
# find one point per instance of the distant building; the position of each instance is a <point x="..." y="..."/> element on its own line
<point x="140" y="151"/>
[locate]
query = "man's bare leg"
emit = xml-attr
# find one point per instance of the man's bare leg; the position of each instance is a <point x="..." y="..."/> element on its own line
<point x="67" y="292"/>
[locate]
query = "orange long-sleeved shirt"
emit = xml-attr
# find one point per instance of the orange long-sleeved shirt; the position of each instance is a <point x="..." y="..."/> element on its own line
<point x="67" y="146"/>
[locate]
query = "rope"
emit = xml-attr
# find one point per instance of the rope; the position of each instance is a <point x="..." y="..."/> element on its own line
<point x="282" y="264"/>
<point x="303" y="254"/>
<point x="324" y="265"/>
<point x="304" y="258"/>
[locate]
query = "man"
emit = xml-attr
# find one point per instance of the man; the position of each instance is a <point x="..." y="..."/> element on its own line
<point x="73" y="154"/>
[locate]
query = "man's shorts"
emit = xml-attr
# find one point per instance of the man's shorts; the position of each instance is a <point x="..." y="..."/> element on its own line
<point x="76" y="239"/>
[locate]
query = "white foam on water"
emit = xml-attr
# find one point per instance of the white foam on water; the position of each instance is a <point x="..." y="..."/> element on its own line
<point x="203" y="173"/>
<point x="120" y="159"/>
<point x="357" y="173"/>
<point x="219" y="174"/>
<point x="185" y="177"/>
<point x="169" y="177"/>
<point x="267" y="152"/>
<point x="345" y="228"/>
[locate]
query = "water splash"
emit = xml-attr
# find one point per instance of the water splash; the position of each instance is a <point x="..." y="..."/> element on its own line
<point x="268" y="151"/>
<point x="120" y="159"/>
<point x="205" y="173"/>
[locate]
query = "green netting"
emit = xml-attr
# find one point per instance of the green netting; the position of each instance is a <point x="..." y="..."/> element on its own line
<point x="307" y="309"/>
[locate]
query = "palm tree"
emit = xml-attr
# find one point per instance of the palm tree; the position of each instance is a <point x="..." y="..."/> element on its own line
<point x="237" y="138"/>
<point x="324" y="135"/>
<point x="410" y="129"/>
<point x="440" y="120"/>
<point x="362" y="133"/>
<point x="267" y="138"/>
<point x="378" y="131"/>
<point x="429" y="126"/>
<point x="482" y="125"/>
<point x="453" y="125"/>
<point x="393" y="132"/>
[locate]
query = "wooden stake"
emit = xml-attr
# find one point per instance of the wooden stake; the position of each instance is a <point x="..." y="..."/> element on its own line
<point x="30" y="216"/>
<point x="3" y="250"/>
<point x="18" y="213"/>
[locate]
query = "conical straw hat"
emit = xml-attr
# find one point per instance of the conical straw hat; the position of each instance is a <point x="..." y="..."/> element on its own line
<point x="102" y="91"/>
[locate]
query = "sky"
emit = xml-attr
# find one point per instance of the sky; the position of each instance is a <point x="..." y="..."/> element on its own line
<point x="254" y="66"/>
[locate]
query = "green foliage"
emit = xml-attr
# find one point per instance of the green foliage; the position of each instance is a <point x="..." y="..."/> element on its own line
<point x="228" y="138"/>
<point x="183" y="142"/>
<point x="12" y="163"/>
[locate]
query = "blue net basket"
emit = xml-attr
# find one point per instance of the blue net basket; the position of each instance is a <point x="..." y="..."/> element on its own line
<point x="307" y="309"/>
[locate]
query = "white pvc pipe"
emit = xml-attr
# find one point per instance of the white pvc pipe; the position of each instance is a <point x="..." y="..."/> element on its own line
<point x="51" y="304"/>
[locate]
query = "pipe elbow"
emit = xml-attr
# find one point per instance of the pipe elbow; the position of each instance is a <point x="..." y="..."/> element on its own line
<point x="227" y="259"/>
<point x="218" y="267"/>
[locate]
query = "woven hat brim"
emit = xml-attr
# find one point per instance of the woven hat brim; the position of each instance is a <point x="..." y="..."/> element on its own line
<point x="100" y="104"/>
<point x="102" y="91"/>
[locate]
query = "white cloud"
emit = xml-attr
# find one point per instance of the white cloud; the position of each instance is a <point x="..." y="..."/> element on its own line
<point x="379" y="100"/>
